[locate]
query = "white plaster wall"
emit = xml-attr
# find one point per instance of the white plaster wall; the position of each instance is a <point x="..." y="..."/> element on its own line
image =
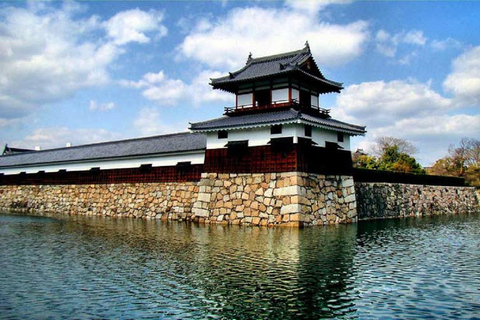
<point x="261" y="136"/>
<point x="320" y="136"/>
<point x="255" y="136"/>
<point x="155" y="161"/>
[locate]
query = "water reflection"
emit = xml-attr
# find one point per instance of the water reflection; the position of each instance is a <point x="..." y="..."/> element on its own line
<point x="94" y="267"/>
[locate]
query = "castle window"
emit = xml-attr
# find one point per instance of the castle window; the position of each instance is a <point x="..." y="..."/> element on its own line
<point x="340" y="136"/>
<point x="308" y="130"/>
<point x="282" y="145"/>
<point x="146" y="168"/>
<point x="305" y="99"/>
<point x="184" y="166"/>
<point x="222" y="134"/>
<point x="276" y="129"/>
<point x="237" y="148"/>
<point x="262" y="98"/>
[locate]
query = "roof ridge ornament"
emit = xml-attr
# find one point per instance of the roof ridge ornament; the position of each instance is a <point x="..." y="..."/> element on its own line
<point x="249" y="59"/>
<point x="307" y="47"/>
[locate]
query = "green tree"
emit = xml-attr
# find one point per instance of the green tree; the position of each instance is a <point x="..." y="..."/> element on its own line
<point x="394" y="160"/>
<point x="366" y="162"/>
<point x="393" y="155"/>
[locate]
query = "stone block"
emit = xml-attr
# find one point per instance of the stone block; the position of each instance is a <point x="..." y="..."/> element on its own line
<point x="200" y="212"/>
<point x="287" y="191"/>
<point x="291" y="208"/>
<point x="204" y="197"/>
<point x="348" y="183"/>
<point x="350" y="198"/>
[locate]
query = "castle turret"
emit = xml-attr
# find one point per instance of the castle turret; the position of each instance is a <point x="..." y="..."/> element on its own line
<point x="287" y="80"/>
<point x="277" y="123"/>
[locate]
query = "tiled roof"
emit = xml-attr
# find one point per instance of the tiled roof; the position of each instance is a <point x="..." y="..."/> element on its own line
<point x="180" y="142"/>
<point x="275" y="117"/>
<point x="276" y="65"/>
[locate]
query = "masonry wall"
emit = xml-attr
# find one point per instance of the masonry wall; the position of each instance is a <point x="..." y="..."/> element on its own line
<point x="288" y="198"/>
<point x="377" y="200"/>
<point x="172" y="201"/>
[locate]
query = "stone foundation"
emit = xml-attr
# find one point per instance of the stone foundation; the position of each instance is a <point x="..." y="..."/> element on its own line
<point x="264" y="199"/>
<point x="393" y="200"/>
<point x="289" y="198"/>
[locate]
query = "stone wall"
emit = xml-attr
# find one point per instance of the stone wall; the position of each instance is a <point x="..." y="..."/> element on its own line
<point x="393" y="200"/>
<point x="289" y="198"/>
<point x="172" y="201"/>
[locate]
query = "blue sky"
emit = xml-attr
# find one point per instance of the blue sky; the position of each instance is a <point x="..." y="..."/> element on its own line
<point x="83" y="72"/>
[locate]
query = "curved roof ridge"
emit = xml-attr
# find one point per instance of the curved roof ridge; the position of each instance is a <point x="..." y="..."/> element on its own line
<point x="277" y="56"/>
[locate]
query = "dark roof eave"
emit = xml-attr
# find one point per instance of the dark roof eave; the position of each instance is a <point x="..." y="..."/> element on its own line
<point x="230" y="85"/>
<point x="290" y="116"/>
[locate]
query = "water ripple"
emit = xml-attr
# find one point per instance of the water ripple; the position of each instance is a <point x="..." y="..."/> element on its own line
<point x="100" y="268"/>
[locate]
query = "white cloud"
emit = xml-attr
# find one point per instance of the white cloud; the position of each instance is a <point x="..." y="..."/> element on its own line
<point x="149" y="122"/>
<point x="408" y="110"/>
<point x="157" y="87"/>
<point x="132" y="26"/>
<point x="312" y="6"/>
<point x="226" y="42"/>
<point x="56" y="137"/>
<point x="48" y="54"/>
<point x="164" y="91"/>
<point x="440" y="45"/>
<point x="415" y="37"/>
<point x="94" y="106"/>
<point x="388" y="45"/>
<point x="43" y="59"/>
<point x="383" y="103"/>
<point x="464" y="80"/>
<point x="431" y="135"/>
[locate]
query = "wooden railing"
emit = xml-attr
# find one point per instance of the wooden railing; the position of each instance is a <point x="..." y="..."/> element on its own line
<point x="276" y="105"/>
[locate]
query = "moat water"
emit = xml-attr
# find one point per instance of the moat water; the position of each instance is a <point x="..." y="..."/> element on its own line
<point x="100" y="268"/>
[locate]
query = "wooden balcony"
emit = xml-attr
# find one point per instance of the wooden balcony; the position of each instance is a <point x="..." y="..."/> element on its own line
<point x="277" y="105"/>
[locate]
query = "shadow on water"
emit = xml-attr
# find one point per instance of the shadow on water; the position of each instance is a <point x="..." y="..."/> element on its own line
<point x="95" y="267"/>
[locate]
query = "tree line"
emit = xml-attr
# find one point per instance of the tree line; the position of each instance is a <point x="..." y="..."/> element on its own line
<point x="393" y="154"/>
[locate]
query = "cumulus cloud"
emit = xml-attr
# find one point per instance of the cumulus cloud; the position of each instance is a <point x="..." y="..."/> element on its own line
<point x="382" y="103"/>
<point x="431" y="135"/>
<point x="57" y="137"/>
<point x="464" y="80"/>
<point x="164" y="91"/>
<point x="408" y="110"/>
<point x="132" y="26"/>
<point x="225" y="43"/>
<point x="47" y="54"/>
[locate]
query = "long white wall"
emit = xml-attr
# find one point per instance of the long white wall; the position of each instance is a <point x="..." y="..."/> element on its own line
<point x="155" y="161"/>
